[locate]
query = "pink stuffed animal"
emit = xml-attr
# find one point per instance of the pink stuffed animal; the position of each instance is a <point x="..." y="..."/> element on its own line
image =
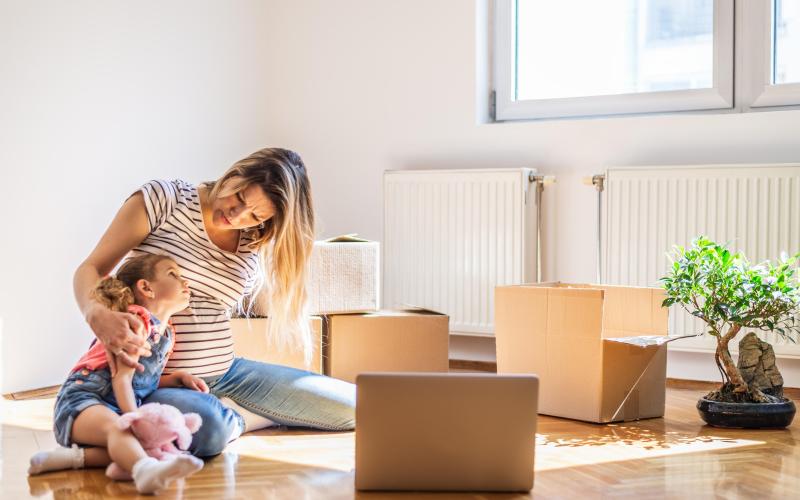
<point x="157" y="426"/>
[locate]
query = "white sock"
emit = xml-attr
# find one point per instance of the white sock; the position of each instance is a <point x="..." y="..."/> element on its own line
<point x="57" y="459"/>
<point x="252" y="421"/>
<point x="150" y="475"/>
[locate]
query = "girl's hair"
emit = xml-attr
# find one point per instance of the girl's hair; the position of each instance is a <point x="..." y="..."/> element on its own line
<point x="116" y="292"/>
<point x="284" y="242"/>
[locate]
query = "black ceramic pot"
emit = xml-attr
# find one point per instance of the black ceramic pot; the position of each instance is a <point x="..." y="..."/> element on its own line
<point x="746" y="415"/>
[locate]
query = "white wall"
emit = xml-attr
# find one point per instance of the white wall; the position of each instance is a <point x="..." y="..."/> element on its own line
<point x="98" y="96"/>
<point x="367" y="86"/>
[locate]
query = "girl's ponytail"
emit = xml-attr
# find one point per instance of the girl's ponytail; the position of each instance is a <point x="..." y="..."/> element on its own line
<point x="113" y="294"/>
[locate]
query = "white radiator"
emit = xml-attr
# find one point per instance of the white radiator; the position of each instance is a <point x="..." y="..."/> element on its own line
<point x="647" y="210"/>
<point x="451" y="236"/>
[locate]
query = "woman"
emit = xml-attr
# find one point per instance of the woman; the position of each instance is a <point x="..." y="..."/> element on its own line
<point x="253" y="227"/>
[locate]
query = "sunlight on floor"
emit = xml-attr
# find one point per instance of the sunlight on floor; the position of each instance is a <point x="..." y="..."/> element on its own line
<point x="619" y="442"/>
<point x="611" y="443"/>
<point x="34" y="414"/>
<point x="331" y="452"/>
<point x="673" y="457"/>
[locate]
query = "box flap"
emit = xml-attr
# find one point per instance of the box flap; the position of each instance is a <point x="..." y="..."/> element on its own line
<point x="541" y="284"/>
<point x="623" y="366"/>
<point x="646" y="397"/>
<point x="648" y="340"/>
<point x="649" y="393"/>
<point x="631" y="387"/>
<point x="636" y="310"/>
<point x="575" y="312"/>
<point x="659" y="314"/>
<point x="558" y="284"/>
<point x="347" y="238"/>
<point x="388" y="313"/>
<point x="419" y="310"/>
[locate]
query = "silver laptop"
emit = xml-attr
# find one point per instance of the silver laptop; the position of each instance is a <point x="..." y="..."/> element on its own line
<point x="445" y="431"/>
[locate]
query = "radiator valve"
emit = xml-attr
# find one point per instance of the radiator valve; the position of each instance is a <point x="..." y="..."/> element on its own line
<point x="598" y="181"/>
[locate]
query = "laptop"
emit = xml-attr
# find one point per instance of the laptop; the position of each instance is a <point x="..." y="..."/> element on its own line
<point x="445" y="431"/>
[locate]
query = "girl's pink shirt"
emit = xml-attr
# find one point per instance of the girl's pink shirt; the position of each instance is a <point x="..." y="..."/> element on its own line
<point x="95" y="358"/>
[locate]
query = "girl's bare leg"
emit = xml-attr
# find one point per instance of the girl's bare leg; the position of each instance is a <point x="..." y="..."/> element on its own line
<point x="71" y="458"/>
<point x="96" y="426"/>
<point x="95" y="457"/>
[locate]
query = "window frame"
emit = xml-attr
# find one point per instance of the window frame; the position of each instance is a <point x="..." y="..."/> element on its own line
<point x="719" y="96"/>
<point x="756" y="90"/>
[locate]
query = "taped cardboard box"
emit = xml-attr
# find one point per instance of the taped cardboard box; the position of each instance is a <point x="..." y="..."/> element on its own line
<point x="250" y="341"/>
<point x="410" y="340"/>
<point x="345" y="277"/>
<point x="599" y="351"/>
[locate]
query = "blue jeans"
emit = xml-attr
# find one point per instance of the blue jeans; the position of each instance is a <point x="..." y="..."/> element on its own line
<point x="287" y="396"/>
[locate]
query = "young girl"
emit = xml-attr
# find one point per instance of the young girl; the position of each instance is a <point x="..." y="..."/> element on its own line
<point x="90" y="401"/>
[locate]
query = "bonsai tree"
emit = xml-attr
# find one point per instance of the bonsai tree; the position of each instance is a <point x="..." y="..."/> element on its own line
<point x="728" y="293"/>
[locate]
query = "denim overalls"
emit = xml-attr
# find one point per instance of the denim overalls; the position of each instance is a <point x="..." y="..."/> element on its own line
<point x="84" y="388"/>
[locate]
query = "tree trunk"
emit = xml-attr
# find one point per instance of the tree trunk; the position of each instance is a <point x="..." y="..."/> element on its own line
<point x="718" y="361"/>
<point x="730" y="367"/>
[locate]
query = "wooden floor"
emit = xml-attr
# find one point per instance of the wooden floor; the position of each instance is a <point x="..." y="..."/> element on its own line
<point x="673" y="457"/>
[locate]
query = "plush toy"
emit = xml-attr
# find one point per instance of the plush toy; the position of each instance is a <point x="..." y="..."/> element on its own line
<point x="157" y="427"/>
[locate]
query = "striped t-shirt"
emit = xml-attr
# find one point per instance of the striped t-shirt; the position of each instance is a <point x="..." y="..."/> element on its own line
<point x="218" y="280"/>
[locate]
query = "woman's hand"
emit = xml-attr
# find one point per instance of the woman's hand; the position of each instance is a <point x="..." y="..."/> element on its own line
<point x="190" y="381"/>
<point x="122" y="334"/>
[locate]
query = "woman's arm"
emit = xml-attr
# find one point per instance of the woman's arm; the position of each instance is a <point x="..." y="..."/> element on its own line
<point x="116" y="330"/>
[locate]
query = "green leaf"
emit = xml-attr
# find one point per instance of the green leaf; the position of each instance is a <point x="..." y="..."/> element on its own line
<point x="727" y="288"/>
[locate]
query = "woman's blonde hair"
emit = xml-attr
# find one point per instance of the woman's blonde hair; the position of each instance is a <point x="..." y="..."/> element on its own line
<point x="116" y="292"/>
<point x="284" y="242"/>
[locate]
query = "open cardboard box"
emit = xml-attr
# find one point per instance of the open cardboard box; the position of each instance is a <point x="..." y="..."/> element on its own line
<point x="250" y="341"/>
<point x="409" y="340"/>
<point x="599" y="350"/>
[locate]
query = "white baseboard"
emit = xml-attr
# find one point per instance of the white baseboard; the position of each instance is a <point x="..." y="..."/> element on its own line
<point x="472" y="348"/>
<point x="701" y="366"/>
<point x="680" y="364"/>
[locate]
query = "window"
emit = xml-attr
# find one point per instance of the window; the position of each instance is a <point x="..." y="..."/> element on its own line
<point x="770" y="53"/>
<point x="636" y="47"/>
<point x="786" y="57"/>
<point x="588" y="58"/>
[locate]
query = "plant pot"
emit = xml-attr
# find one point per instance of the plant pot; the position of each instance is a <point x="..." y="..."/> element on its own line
<point x="746" y="415"/>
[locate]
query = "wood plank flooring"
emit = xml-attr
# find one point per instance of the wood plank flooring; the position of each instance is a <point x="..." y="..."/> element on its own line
<point x="671" y="457"/>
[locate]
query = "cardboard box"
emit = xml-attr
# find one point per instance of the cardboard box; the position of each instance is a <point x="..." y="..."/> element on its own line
<point x="250" y="341"/>
<point x="599" y="351"/>
<point x="413" y="340"/>
<point x="345" y="277"/>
